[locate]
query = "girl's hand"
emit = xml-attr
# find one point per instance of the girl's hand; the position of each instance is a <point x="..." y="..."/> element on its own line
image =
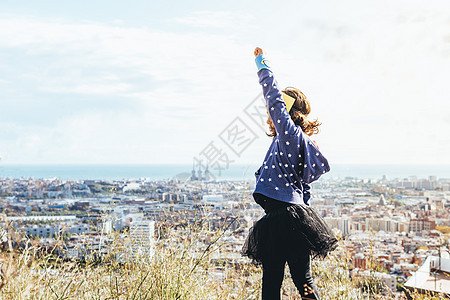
<point x="258" y="51"/>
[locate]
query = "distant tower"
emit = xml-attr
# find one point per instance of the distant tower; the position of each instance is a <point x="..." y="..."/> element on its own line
<point x="207" y="174"/>
<point x="200" y="174"/>
<point x="382" y="200"/>
<point x="193" y="176"/>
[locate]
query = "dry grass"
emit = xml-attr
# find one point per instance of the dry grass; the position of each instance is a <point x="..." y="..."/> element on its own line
<point x="189" y="263"/>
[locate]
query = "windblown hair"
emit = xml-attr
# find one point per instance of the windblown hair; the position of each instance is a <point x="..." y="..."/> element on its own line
<point x="299" y="113"/>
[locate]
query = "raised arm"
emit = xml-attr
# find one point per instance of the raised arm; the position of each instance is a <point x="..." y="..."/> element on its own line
<point x="276" y="107"/>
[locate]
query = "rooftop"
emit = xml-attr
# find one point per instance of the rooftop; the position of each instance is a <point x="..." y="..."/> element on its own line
<point x="433" y="275"/>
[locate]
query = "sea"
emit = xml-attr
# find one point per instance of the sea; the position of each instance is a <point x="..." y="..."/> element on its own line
<point x="233" y="172"/>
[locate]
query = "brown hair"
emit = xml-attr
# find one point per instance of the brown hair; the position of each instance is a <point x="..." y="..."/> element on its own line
<point x="299" y="113"/>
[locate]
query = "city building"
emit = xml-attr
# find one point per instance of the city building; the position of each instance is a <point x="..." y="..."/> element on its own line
<point x="432" y="277"/>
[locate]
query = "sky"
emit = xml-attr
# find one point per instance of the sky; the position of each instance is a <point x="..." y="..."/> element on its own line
<point x="144" y="82"/>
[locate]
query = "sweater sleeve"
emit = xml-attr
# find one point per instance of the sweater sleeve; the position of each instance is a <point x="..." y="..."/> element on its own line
<point x="276" y="107"/>
<point x="313" y="163"/>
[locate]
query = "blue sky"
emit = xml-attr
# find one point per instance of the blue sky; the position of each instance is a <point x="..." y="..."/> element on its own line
<point x="157" y="81"/>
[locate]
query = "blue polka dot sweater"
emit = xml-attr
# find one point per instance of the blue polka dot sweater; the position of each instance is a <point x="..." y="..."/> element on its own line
<point x="292" y="161"/>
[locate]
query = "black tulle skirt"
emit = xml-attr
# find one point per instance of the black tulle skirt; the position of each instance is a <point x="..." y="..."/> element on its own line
<point x="287" y="232"/>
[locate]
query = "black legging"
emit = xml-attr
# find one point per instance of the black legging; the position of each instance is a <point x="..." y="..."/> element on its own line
<point x="273" y="268"/>
<point x="273" y="273"/>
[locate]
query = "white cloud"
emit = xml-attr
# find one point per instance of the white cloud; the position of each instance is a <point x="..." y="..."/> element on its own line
<point x="171" y="87"/>
<point x="377" y="79"/>
<point x="216" y="19"/>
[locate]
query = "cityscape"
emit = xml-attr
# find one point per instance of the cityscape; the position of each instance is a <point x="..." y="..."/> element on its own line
<point x="394" y="229"/>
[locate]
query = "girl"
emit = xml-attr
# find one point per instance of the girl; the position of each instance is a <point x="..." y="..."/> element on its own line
<point x="290" y="231"/>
